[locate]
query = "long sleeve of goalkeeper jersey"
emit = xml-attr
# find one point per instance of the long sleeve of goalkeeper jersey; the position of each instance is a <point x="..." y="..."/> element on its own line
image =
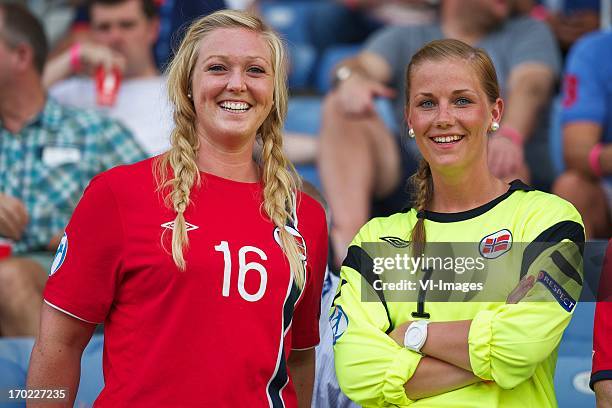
<point x="508" y="343"/>
<point x="371" y="368"/>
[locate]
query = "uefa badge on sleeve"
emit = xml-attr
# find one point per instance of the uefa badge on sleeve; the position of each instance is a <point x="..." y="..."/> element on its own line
<point x="338" y="322"/>
<point x="60" y="255"/>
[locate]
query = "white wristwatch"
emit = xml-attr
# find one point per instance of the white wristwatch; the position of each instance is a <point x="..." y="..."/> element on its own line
<point x="416" y="335"/>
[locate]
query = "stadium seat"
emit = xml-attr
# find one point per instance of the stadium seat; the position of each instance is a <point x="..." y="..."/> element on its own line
<point x="302" y="59"/>
<point x="304" y="116"/>
<point x="384" y="108"/>
<point x="581" y="326"/>
<point x="328" y="61"/>
<point x="92" y="378"/>
<point x="16" y="349"/>
<point x="12" y="377"/>
<point x="594" y="252"/>
<point x="290" y="19"/>
<point x="15" y="359"/>
<point x="572" y="382"/>
<point x="574" y="360"/>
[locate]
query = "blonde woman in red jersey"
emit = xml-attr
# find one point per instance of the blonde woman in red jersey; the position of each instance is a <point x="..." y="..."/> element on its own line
<point x="204" y="265"/>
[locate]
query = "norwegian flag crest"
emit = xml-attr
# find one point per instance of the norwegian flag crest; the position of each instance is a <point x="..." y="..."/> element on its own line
<point x="496" y="244"/>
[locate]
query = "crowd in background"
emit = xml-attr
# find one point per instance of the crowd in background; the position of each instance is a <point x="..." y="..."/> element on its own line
<point x="106" y="59"/>
<point x="85" y="91"/>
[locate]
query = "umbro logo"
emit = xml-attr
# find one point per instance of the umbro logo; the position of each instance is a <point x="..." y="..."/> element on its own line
<point x="170" y="226"/>
<point x="396" y="242"/>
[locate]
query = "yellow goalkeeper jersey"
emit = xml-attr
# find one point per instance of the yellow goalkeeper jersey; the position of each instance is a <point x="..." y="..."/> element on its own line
<point x="512" y="346"/>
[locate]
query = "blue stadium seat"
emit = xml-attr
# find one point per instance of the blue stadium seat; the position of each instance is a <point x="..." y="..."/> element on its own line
<point x="580" y="328"/>
<point x="574" y="361"/>
<point x="572" y="382"/>
<point x="290" y="19"/>
<point x="302" y="60"/>
<point x="15" y="359"/>
<point x="329" y="59"/>
<point x="594" y="252"/>
<point x="12" y="377"/>
<point x="92" y="378"/>
<point x="384" y="108"/>
<point x="17" y="349"/>
<point x="304" y="116"/>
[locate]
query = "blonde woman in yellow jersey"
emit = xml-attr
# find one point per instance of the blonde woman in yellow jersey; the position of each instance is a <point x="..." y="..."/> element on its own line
<point x="491" y="353"/>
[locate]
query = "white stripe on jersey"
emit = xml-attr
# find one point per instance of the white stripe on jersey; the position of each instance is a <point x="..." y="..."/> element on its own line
<point x="68" y="313"/>
<point x="284" y="333"/>
<point x="291" y="322"/>
<point x="281" y="344"/>
<point x="295" y="218"/>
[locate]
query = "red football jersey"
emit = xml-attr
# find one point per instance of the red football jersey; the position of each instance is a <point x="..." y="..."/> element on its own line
<point x="602" y="332"/>
<point x="217" y="334"/>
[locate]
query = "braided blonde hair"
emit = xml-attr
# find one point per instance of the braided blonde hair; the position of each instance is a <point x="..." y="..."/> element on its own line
<point x="279" y="177"/>
<point x="482" y="65"/>
<point x="423" y="186"/>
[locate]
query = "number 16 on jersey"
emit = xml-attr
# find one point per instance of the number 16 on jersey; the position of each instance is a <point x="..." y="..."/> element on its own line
<point x="243" y="268"/>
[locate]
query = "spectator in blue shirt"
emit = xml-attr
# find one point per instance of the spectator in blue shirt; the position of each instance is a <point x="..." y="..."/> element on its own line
<point x="587" y="133"/>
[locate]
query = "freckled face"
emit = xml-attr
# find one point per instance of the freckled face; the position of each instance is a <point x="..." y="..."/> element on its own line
<point x="232" y="84"/>
<point x="450" y="114"/>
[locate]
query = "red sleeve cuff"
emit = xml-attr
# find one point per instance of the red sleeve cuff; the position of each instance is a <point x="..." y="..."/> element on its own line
<point x="71" y="309"/>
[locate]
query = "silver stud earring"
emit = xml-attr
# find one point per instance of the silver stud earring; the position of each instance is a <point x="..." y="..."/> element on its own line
<point x="411" y="133"/>
<point x="494" y="126"/>
<point x="189" y="95"/>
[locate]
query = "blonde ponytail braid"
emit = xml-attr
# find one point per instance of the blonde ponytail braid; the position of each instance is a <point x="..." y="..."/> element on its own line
<point x="280" y="185"/>
<point x="423" y="185"/>
<point x="181" y="157"/>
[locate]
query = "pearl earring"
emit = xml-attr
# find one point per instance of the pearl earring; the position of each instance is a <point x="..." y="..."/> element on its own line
<point x="189" y="95"/>
<point x="494" y="126"/>
<point x="411" y="133"/>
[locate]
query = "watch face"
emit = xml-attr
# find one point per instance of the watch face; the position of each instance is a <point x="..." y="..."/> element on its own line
<point x="414" y="336"/>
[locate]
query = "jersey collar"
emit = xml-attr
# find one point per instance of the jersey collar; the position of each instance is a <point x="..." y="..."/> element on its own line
<point x="516" y="185"/>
